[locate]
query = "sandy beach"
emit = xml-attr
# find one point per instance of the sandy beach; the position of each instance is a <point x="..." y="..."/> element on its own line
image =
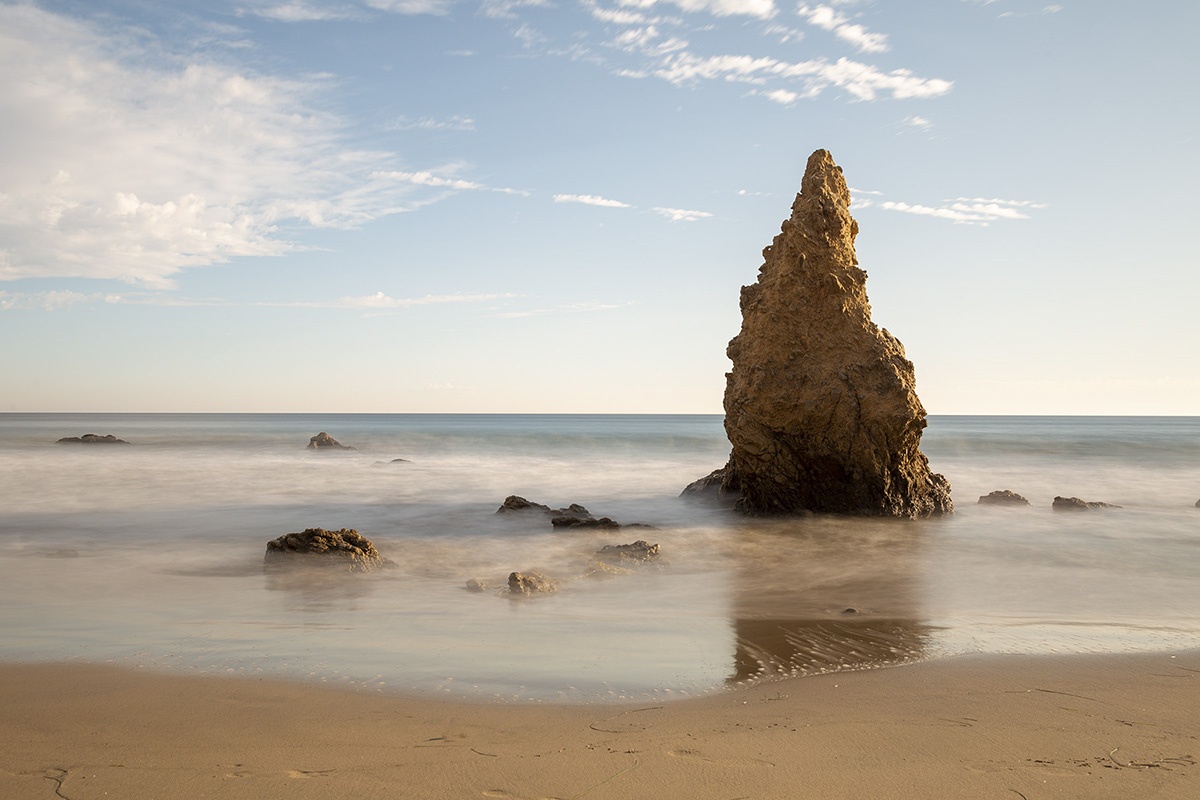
<point x="1107" y="726"/>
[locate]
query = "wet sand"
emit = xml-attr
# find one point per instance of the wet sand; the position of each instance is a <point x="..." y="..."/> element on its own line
<point x="1113" y="726"/>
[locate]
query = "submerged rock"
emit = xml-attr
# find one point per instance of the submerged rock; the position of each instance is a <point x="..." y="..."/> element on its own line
<point x="531" y="583"/>
<point x="323" y="441"/>
<point x="476" y="585"/>
<point x="570" y="521"/>
<point x="91" y="438"/>
<point x="1003" y="497"/>
<point x="516" y="503"/>
<point x="1075" y="504"/>
<point x="346" y="549"/>
<point x="821" y="406"/>
<point x="640" y="550"/>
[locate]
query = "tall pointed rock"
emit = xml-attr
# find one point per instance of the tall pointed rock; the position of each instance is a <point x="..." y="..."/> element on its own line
<point x="821" y="406"/>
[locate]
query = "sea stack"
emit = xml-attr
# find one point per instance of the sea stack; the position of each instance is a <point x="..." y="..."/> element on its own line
<point x="821" y="406"/>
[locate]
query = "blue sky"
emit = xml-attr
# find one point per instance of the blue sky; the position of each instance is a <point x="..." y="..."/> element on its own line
<point x="550" y="205"/>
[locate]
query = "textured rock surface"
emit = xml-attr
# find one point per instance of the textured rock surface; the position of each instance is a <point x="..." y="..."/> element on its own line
<point x="346" y="549"/>
<point x="531" y="583"/>
<point x="1002" y="497"/>
<point x="323" y="441"/>
<point x="638" y="551"/>
<point x="1075" y="504"/>
<point x="91" y="438"/>
<point x="821" y="407"/>
<point x="516" y="503"/>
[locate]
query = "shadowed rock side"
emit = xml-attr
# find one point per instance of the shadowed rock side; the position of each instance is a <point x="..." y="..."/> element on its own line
<point x="821" y="407"/>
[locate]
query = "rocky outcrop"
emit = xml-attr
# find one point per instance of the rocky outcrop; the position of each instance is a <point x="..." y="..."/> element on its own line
<point x="346" y="550"/>
<point x="517" y="504"/>
<point x="531" y="583"/>
<point x="639" y="551"/>
<point x="91" y="438"/>
<point x="1002" y="497"/>
<point x="572" y="517"/>
<point x="323" y="441"/>
<point x="821" y="406"/>
<point x="1075" y="504"/>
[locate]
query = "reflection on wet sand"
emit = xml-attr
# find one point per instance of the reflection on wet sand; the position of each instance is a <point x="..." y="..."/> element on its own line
<point x="316" y="589"/>
<point x="824" y="594"/>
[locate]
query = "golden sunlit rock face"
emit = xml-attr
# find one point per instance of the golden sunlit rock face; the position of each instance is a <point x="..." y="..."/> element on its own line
<point x="821" y="406"/>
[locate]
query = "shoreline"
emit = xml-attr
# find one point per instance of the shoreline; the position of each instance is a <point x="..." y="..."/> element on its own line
<point x="1087" y="726"/>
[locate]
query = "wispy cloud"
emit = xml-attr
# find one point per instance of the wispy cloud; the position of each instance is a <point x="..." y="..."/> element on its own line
<point x="681" y="215"/>
<point x="457" y="122"/>
<point x="975" y="211"/>
<point x="413" y="7"/>
<point x="590" y="200"/>
<point x="862" y="81"/>
<point x="380" y="301"/>
<point x="201" y="162"/>
<point x="506" y="9"/>
<point x="301" y="11"/>
<point x="829" y="19"/>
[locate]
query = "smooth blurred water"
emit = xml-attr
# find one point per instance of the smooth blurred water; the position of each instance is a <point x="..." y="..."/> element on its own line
<point x="151" y="553"/>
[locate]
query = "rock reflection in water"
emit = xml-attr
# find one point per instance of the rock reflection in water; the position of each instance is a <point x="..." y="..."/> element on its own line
<point x="824" y="594"/>
<point x="315" y="589"/>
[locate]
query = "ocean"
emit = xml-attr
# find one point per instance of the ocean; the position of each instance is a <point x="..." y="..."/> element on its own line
<point x="151" y="554"/>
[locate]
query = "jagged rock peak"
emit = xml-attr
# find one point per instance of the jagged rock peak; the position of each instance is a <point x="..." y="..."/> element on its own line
<point x="821" y="405"/>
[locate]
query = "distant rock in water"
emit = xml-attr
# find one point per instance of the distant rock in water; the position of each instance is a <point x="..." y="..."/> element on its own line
<point x="572" y="517"/>
<point x="639" y="551"/>
<point x="1003" y="497"/>
<point x="821" y="406"/>
<point x="1198" y="504"/>
<point x="515" y="503"/>
<point x="323" y="441"/>
<point x="1075" y="504"/>
<point x="346" y="549"/>
<point x="91" y="438"/>
<point x="531" y="583"/>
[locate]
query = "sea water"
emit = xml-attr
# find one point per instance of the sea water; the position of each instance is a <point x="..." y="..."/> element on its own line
<point x="151" y="553"/>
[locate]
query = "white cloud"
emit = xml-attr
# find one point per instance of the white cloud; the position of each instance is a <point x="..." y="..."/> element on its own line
<point x="126" y="162"/>
<point x="454" y="123"/>
<point x="861" y="80"/>
<point x="590" y="200"/>
<point x="301" y="11"/>
<point x="503" y="9"/>
<point x="413" y="7"/>
<point x="916" y="123"/>
<point x="828" y="19"/>
<point x="55" y="300"/>
<point x="975" y="211"/>
<point x="425" y="178"/>
<point x="764" y="9"/>
<point x="380" y="301"/>
<point x="682" y="215"/>
<point x="781" y="96"/>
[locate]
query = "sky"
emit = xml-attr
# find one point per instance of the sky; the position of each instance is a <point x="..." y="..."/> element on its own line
<point x="549" y="206"/>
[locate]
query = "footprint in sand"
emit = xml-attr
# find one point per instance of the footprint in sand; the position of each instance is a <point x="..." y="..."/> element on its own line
<point x="310" y="773"/>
